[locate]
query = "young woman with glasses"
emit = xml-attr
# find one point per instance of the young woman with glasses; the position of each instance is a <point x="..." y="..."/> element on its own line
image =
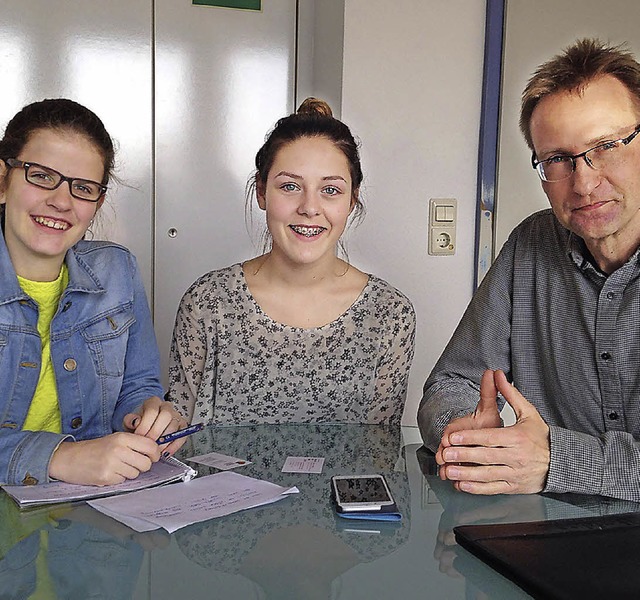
<point x="297" y="334"/>
<point x="79" y="365"/>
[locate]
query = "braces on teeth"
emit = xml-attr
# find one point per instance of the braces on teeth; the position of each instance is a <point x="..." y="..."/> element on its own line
<point x="308" y="231"/>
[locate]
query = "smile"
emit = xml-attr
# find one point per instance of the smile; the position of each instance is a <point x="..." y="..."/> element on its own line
<point x="52" y="223"/>
<point x="308" y="230"/>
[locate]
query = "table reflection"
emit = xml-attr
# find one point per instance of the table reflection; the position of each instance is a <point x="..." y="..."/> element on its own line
<point x="70" y="552"/>
<point x="460" y="508"/>
<point x="297" y="547"/>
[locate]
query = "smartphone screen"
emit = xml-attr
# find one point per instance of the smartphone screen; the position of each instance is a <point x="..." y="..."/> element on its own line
<point x="361" y="492"/>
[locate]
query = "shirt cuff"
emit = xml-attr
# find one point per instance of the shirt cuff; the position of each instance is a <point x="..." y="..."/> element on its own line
<point x="577" y="462"/>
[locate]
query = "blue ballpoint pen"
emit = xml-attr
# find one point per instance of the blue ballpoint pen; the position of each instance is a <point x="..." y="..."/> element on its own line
<point x="176" y="435"/>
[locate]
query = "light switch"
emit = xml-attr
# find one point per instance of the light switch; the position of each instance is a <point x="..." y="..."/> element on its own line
<point x="445" y="213"/>
<point x="442" y="226"/>
<point x="449" y="213"/>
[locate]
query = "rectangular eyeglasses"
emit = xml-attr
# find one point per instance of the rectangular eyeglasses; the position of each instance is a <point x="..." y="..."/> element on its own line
<point x="50" y="179"/>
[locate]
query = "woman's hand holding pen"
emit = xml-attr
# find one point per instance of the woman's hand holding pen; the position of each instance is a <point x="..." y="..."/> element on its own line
<point x="104" y="461"/>
<point x="156" y="418"/>
<point x="120" y="456"/>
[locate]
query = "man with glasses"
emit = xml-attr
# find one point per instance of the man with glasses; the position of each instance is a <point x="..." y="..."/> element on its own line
<point x="558" y="314"/>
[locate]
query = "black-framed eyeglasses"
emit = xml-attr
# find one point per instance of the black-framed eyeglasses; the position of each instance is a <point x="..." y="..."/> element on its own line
<point x="50" y="179"/>
<point x="603" y="155"/>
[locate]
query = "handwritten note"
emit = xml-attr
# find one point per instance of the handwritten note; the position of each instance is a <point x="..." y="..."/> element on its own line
<point x="178" y="505"/>
<point x="303" y="464"/>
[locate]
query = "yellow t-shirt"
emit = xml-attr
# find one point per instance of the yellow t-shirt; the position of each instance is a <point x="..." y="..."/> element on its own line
<point x="44" y="411"/>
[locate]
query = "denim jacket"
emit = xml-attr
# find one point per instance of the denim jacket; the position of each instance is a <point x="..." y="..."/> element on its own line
<point x="103" y="351"/>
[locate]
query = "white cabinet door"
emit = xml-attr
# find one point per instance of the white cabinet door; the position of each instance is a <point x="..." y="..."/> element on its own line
<point x="222" y="79"/>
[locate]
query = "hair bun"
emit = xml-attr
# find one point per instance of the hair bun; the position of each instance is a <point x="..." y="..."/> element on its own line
<point x="315" y="106"/>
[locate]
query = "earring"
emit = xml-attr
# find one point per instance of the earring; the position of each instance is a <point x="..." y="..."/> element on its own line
<point x="88" y="234"/>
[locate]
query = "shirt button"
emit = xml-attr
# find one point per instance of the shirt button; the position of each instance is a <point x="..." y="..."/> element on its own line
<point x="610" y="295"/>
<point x="613" y="415"/>
<point x="76" y="422"/>
<point x="70" y="364"/>
<point x="605" y="356"/>
<point x="29" y="480"/>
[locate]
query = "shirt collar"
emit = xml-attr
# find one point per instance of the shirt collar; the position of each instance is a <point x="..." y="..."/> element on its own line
<point x="580" y="255"/>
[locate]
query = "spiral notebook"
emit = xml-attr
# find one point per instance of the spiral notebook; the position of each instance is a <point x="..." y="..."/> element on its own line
<point x="167" y="470"/>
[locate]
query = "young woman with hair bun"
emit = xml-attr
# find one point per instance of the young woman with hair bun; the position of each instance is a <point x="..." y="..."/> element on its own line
<point x="296" y="334"/>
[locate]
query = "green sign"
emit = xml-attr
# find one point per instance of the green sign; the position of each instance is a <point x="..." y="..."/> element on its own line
<point x="243" y="4"/>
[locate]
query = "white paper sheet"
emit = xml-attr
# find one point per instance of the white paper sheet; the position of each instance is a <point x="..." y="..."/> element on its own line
<point x="219" y="461"/>
<point x="182" y="504"/>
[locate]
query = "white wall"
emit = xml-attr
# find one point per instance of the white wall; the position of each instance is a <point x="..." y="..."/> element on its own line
<point x="412" y="82"/>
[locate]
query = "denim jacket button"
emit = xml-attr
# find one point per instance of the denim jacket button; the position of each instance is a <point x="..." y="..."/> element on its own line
<point x="29" y="480"/>
<point x="70" y="364"/>
<point x="76" y="422"/>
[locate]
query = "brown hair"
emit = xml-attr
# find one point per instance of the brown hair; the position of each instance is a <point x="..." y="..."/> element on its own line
<point x="313" y="118"/>
<point x="573" y="69"/>
<point x="58" y="114"/>
<point x="63" y="115"/>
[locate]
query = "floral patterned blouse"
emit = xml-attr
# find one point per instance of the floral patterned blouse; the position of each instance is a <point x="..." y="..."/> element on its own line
<point x="232" y="364"/>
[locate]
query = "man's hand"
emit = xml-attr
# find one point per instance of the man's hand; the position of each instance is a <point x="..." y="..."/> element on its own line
<point x="486" y="414"/>
<point x="482" y="458"/>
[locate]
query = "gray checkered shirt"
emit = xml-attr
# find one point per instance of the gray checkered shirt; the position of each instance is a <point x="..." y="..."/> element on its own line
<point x="568" y="336"/>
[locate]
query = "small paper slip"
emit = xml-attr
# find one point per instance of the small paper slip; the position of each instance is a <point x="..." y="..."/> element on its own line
<point x="166" y="470"/>
<point x="179" y="505"/>
<point x="303" y="464"/>
<point x="219" y="461"/>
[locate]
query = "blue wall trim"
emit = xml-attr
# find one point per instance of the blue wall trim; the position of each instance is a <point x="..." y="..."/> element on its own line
<point x="488" y="146"/>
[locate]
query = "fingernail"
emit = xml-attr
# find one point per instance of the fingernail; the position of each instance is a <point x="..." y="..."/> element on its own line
<point x="450" y="455"/>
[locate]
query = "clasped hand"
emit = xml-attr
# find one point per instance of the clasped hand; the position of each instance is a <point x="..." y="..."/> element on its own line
<point x="482" y="457"/>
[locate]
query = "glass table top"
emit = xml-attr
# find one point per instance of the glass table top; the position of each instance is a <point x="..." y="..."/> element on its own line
<point x="296" y="548"/>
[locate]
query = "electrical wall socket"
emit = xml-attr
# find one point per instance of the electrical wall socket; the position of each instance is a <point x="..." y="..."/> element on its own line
<point x="443" y="218"/>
